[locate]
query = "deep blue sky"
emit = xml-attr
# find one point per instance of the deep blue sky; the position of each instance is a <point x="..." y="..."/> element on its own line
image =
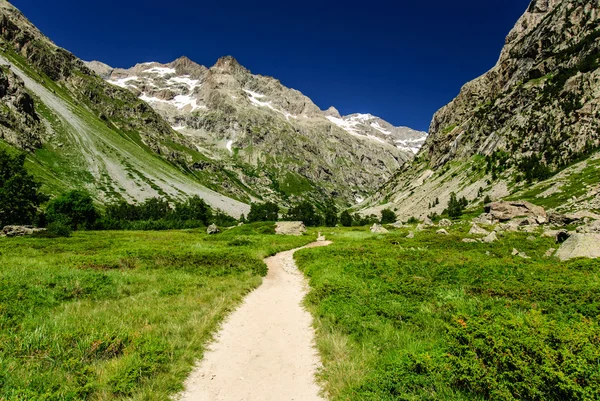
<point x="400" y="60"/>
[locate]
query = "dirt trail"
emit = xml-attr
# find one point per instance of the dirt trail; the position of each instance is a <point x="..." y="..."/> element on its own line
<point x="265" y="349"/>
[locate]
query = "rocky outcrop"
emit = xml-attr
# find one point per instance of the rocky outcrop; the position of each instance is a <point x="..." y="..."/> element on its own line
<point x="19" y="231"/>
<point x="378" y="229"/>
<point x="580" y="246"/>
<point x="213" y="229"/>
<point x="507" y="210"/>
<point x="294" y="228"/>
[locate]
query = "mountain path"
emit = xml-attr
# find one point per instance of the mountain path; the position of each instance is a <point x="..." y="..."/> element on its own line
<point x="265" y="349"/>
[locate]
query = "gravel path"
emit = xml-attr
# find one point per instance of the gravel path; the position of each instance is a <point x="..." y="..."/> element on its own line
<point x="265" y="350"/>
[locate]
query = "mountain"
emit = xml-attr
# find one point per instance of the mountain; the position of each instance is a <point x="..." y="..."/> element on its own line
<point x="181" y="129"/>
<point x="530" y="127"/>
<point x="275" y="140"/>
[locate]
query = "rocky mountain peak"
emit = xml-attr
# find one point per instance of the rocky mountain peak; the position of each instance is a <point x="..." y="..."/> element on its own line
<point x="184" y="66"/>
<point x="228" y="64"/>
<point x="332" y="112"/>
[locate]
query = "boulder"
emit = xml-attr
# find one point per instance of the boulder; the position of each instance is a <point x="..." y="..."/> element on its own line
<point x="445" y="223"/>
<point x="427" y="222"/>
<point x="469" y="240"/>
<point x="442" y="232"/>
<point x="398" y="224"/>
<point x="378" y="229"/>
<point x="490" y="238"/>
<point x="508" y="210"/>
<point x="295" y="228"/>
<point x="531" y="238"/>
<point x="485" y="218"/>
<point x="410" y="235"/>
<point x="19" y="231"/>
<point x="476" y="230"/>
<point x="549" y="253"/>
<point x="580" y="246"/>
<point x="321" y="238"/>
<point x="212" y="229"/>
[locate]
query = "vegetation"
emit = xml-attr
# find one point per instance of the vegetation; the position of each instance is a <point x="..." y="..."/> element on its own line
<point x="263" y="212"/>
<point x="306" y="213"/>
<point x="388" y="216"/>
<point x="456" y="206"/>
<point x="120" y="315"/>
<point x="74" y="209"/>
<point x="346" y="219"/>
<point x="433" y="318"/>
<point x="19" y="192"/>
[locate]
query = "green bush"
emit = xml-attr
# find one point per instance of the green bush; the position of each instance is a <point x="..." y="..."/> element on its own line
<point x="388" y="216"/>
<point x="267" y="211"/>
<point x="74" y="208"/>
<point x="59" y="229"/>
<point x="346" y="219"/>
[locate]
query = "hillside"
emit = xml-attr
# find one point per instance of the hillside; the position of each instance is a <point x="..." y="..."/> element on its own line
<point x="273" y="138"/>
<point x="527" y="128"/>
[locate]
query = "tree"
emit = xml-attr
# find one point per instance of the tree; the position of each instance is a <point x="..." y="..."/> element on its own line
<point x="455" y="207"/>
<point x="388" y="216"/>
<point x="346" y="219"/>
<point x="193" y="209"/>
<point x="331" y="213"/>
<point x="263" y="212"/>
<point x="487" y="200"/>
<point x="74" y="208"/>
<point x="19" y="192"/>
<point x="306" y="213"/>
<point x="155" y="209"/>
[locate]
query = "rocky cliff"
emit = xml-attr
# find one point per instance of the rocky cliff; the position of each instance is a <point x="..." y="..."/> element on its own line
<point x="275" y="139"/>
<point x="535" y="113"/>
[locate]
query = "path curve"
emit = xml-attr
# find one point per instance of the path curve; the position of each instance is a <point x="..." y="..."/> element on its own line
<point x="265" y="349"/>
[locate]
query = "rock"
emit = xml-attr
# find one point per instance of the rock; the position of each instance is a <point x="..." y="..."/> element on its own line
<point x="378" y="229"/>
<point x="476" y="230"/>
<point x="549" y="253"/>
<point x="523" y="255"/>
<point x="442" y="232"/>
<point x="508" y="210"/>
<point x="212" y="229"/>
<point x="445" y="223"/>
<point x="592" y="228"/>
<point x="485" y="218"/>
<point x="490" y="238"/>
<point x="469" y="240"/>
<point x="398" y="224"/>
<point x="410" y="235"/>
<point x="427" y="222"/>
<point x="561" y="236"/>
<point x="531" y="238"/>
<point x="321" y="238"/>
<point x="295" y="228"/>
<point x="515" y="252"/>
<point x="580" y="246"/>
<point x="19" y="231"/>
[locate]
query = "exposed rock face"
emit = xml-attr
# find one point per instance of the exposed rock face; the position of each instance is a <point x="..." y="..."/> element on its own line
<point x="295" y="228"/>
<point x="445" y="223"/>
<point x="274" y="138"/>
<point x="541" y="99"/>
<point x="504" y="211"/>
<point x="580" y="246"/>
<point x="19" y="231"/>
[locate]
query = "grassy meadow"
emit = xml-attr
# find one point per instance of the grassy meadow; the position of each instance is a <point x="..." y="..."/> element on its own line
<point x="120" y="315"/>
<point x="433" y="318"/>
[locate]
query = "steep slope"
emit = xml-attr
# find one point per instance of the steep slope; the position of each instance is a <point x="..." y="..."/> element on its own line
<point x="532" y="115"/>
<point x="275" y="139"/>
<point x="83" y="132"/>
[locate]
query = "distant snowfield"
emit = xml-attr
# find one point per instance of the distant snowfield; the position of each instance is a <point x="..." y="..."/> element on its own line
<point x="254" y="96"/>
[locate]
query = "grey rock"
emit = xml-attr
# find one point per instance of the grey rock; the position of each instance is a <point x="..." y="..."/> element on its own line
<point x="445" y="223"/>
<point x="442" y="232"/>
<point x="476" y="230"/>
<point x="549" y="253"/>
<point x="410" y="235"/>
<point x="213" y="229"/>
<point x="490" y="238"/>
<point x="508" y="210"/>
<point x="293" y="228"/>
<point x="379" y="229"/>
<point x="469" y="240"/>
<point x="531" y="238"/>
<point x="580" y="246"/>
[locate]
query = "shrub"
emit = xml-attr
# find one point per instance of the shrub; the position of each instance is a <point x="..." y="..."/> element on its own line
<point x="331" y="213"/>
<point x="346" y="219"/>
<point x="456" y="206"/>
<point x="267" y="211"/>
<point x="59" y="229"/>
<point x="306" y="213"/>
<point x="75" y="208"/>
<point x="388" y="216"/>
<point x="19" y="192"/>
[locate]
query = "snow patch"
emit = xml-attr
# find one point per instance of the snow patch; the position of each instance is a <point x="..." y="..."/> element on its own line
<point x="181" y="102"/>
<point x="380" y="128"/>
<point x="186" y="80"/>
<point x="254" y="100"/>
<point x="178" y="127"/>
<point x="230" y="146"/>
<point x="122" y="82"/>
<point x="162" y="71"/>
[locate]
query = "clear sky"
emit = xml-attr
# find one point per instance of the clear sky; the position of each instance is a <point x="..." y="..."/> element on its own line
<point x="400" y="60"/>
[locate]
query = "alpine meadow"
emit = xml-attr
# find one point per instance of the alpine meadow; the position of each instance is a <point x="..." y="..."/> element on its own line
<point x="176" y="231"/>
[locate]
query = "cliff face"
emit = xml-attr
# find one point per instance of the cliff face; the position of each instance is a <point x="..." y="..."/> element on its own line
<point x="542" y="96"/>
<point x="537" y="109"/>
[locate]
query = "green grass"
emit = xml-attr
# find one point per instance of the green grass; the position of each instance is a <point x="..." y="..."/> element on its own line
<point x="432" y="318"/>
<point x="120" y="315"/>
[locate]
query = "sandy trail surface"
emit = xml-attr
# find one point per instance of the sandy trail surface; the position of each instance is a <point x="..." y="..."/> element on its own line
<point x="265" y="349"/>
